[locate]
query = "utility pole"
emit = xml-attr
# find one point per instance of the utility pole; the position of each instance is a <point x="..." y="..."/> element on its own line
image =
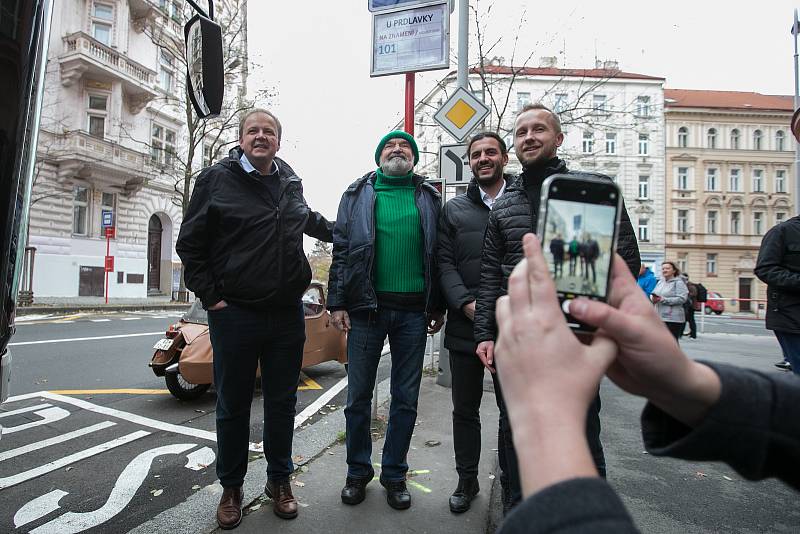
<point x="463" y="43"/>
<point x="795" y="30"/>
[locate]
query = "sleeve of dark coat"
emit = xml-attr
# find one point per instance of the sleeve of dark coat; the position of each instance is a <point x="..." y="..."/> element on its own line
<point x="491" y="282"/>
<point x="455" y="292"/>
<point x="337" y="299"/>
<point x="769" y="266"/>
<point x="193" y="245"/>
<point x="627" y="246"/>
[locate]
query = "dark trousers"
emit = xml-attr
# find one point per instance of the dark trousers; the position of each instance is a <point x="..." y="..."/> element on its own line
<point x="675" y="329"/>
<point x="558" y="266"/>
<point x="241" y="339"/>
<point x="590" y="265"/>
<point x="689" y="312"/>
<point x="467" y="374"/>
<point x="407" y="332"/>
<point x="790" y="344"/>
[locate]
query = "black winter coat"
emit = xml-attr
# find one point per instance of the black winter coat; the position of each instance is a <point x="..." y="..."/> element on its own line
<point x="778" y="266"/>
<point x="238" y="245"/>
<point x="351" y="277"/>
<point x="461" y="230"/>
<point x="515" y="214"/>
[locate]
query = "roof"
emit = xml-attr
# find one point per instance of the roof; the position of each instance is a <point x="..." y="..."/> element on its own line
<point x="571" y="73"/>
<point x="699" y="98"/>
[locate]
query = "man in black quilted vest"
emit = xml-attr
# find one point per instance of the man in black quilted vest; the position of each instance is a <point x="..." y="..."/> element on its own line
<point x="537" y="136"/>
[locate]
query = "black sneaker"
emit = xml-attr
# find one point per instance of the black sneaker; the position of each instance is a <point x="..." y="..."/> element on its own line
<point x="461" y="498"/>
<point x="784" y="366"/>
<point x="397" y="494"/>
<point x="355" y="488"/>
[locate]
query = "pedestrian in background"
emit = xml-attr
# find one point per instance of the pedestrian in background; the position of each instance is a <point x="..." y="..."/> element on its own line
<point x="778" y="266"/>
<point x="384" y="281"/>
<point x="557" y="250"/>
<point x="688" y="307"/>
<point x="646" y="280"/>
<point x="241" y="243"/>
<point x="669" y="296"/>
<point x="461" y="231"/>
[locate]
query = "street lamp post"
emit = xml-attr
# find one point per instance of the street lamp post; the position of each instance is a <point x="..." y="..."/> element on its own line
<point x="795" y="30"/>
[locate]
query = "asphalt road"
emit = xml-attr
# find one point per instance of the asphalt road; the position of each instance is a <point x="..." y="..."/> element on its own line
<point x="93" y="440"/>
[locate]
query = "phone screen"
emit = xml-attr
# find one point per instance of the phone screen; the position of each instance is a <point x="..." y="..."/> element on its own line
<point x="578" y="244"/>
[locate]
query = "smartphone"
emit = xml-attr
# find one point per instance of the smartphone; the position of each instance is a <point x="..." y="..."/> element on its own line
<point x="578" y="221"/>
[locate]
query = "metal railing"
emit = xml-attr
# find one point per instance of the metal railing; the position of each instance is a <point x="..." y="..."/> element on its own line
<point x="84" y="43"/>
<point x="760" y="305"/>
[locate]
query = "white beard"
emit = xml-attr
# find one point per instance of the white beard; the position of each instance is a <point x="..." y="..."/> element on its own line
<point x="396" y="166"/>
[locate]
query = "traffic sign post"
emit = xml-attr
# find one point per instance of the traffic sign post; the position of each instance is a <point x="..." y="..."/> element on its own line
<point x="107" y="219"/>
<point x="454" y="165"/>
<point x="461" y="114"/>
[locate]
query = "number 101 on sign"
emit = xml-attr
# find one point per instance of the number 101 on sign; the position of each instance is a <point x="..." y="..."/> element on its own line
<point x="387" y="49"/>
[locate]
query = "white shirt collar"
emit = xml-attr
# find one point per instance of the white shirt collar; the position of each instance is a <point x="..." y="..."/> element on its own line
<point x="248" y="167"/>
<point x="489" y="201"/>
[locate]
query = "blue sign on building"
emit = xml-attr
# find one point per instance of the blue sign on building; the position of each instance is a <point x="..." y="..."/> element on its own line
<point x="108" y="218"/>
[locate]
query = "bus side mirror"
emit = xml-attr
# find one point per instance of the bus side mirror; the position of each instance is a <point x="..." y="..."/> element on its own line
<point x="205" y="77"/>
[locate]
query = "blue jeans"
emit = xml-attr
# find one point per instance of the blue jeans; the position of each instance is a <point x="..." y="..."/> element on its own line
<point x="241" y="339"/>
<point x="790" y="344"/>
<point x="407" y="332"/>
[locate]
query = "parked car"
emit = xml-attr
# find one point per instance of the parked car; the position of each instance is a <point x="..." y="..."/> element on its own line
<point x="717" y="305"/>
<point x="185" y="357"/>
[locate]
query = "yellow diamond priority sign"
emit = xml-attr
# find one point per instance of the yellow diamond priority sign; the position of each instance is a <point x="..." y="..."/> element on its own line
<point x="461" y="114"/>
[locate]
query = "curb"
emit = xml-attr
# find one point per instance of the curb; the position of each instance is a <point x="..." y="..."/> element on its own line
<point x="65" y="310"/>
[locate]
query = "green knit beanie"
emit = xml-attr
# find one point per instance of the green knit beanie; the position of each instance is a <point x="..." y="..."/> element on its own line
<point x="391" y="135"/>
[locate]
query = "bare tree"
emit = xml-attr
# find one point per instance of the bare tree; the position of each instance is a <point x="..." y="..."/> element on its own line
<point x="320" y="260"/>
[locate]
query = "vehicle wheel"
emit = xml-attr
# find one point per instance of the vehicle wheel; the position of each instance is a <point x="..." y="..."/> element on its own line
<point x="718" y="312"/>
<point x="708" y="310"/>
<point x="183" y="390"/>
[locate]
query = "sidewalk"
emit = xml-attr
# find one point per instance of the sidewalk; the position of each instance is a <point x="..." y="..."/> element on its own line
<point x="433" y="478"/>
<point x="87" y="304"/>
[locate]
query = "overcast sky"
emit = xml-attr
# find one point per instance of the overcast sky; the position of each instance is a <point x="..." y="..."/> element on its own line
<point x="315" y="53"/>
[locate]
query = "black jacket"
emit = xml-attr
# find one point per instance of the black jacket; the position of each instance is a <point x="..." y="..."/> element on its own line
<point x="238" y="245"/>
<point x="752" y="428"/>
<point x="461" y="230"/>
<point x="350" y="283"/>
<point x="778" y="266"/>
<point x="515" y="214"/>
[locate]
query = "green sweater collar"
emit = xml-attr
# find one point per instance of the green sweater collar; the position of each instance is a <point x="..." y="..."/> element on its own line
<point x="393" y="181"/>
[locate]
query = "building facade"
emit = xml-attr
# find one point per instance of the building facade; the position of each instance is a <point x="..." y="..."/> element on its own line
<point x="612" y="122"/>
<point x="729" y="179"/>
<point x="113" y="145"/>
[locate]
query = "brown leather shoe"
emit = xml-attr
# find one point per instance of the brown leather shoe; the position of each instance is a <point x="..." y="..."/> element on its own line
<point x="229" y="511"/>
<point x="283" y="502"/>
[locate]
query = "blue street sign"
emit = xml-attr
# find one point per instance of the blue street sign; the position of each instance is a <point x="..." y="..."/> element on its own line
<point x="380" y="5"/>
<point x="108" y="218"/>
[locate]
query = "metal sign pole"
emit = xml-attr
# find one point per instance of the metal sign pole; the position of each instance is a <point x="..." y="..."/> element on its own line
<point x="108" y="253"/>
<point x="410" y="83"/>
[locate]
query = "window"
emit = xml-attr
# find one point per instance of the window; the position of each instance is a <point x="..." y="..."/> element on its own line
<point x="683" y="222"/>
<point x="97" y="112"/>
<point x="102" y="19"/>
<point x="523" y="99"/>
<point x="736" y="183"/>
<point x="758" y="181"/>
<point x="644" y="229"/>
<point x="162" y="146"/>
<point x="611" y="143"/>
<point x="560" y="103"/>
<point x="757" y="140"/>
<point x="711" y="180"/>
<point x="588" y="142"/>
<point x="712" y="138"/>
<point x="683" y="262"/>
<point x="780" y="139"/>
<point x="644" y="187"/>
<point x="683" y="178"/>
<point x="758" y="223"/>
<point x="711" y="222"/>
<point x="80" y="210"/>
<point x="736" y="222"/>
<point x="166" y="72"/>
<point x="780" y="217"/>
<point x="599" y="103"/>
<point x="644" y="144"/>
<point x="208" y="157"/>
<point x="711" y="264"/>
<point x="171" y="8"/>
<point x="643" y="106"/>
<point x="683" y="137"/>
<point x="780" y="181"/>
<point x="735" y="139"/>
<point x="108" y="203"/>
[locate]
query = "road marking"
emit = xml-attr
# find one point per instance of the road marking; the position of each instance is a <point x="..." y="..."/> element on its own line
<point x="124" y="490"/>
<point x="96" y="338"/>
<point x="13" y="480"/>
<point x="110" y="391"/>
<point x="24" y="410"/>
<point x="38" y="508"/>
<point x="7" y="455"/>
<point x="308" y="383"/>
<point x="200" y="459"/>
<point x="48" y="415"/>
<point x="323" y="399"/>
<point x="100" y="320"/>
<point x="131" y="319"/>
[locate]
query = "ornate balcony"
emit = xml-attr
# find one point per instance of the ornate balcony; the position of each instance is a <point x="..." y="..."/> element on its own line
<point x="85" y="55"/>
<point x="84" y="158"/>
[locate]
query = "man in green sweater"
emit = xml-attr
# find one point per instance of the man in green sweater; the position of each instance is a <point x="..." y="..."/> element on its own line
<point x="384" y="282"/>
